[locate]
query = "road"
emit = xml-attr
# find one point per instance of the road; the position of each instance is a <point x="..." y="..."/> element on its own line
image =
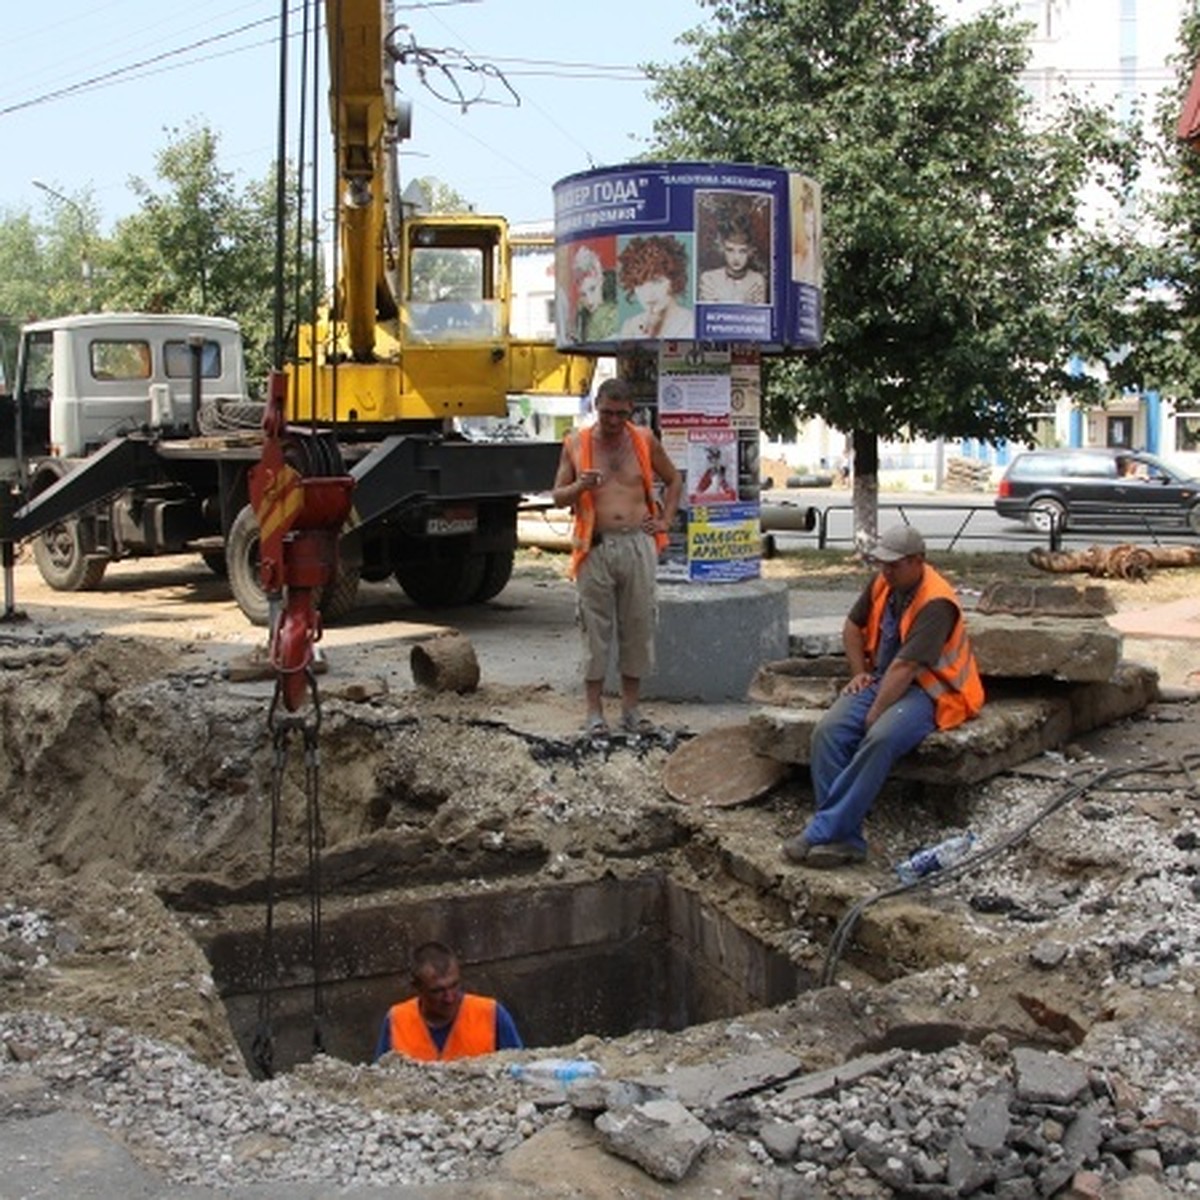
<point x="964" y="521"/>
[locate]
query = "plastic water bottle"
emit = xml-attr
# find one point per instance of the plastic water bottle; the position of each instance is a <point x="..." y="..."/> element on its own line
<point x="557" y="1070"/>
<point x="936" y="858"/>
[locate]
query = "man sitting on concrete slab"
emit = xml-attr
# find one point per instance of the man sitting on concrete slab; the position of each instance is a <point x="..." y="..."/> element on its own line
<point x="911" y="671"/>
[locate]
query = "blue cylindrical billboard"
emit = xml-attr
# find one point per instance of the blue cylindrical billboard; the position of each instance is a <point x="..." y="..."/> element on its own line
<point x="678" y="251"/>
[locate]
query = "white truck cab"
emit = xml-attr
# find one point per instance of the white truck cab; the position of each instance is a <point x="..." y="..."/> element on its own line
<point x="86" y="379"/>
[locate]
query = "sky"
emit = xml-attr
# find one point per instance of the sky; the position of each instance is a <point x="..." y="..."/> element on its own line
<point x="74" y="116"/>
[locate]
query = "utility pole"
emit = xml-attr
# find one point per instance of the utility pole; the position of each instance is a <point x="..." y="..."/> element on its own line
<point x="81" y="216"/>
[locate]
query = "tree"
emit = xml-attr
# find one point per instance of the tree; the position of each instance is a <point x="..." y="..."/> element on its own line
<point x="199" y="245"/>
<point x="48" y="269"/>
<point x="945" y="209"/>
<point x="1139" y="284"/>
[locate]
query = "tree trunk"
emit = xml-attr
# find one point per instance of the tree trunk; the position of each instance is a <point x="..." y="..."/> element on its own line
<point x="1114" y="562"/>
<point x="865" y="468"/>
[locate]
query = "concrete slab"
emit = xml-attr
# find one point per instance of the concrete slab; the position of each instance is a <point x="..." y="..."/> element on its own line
<point x="1011" y="728"/>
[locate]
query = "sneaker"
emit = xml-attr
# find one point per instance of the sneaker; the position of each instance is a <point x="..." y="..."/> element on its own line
<point x="834" y="854"/>
<point x="796" y="849"/>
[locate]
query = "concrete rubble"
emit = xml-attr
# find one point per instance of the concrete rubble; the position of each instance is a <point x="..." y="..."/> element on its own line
<point x="1051" y="666"/>
<point x="1030" y="1030"/>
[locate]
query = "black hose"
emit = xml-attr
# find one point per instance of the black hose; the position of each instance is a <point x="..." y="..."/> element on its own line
<point x="967" y="866"/>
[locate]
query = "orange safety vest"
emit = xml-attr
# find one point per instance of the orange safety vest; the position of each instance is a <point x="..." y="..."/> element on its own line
<point x="953" y="681"/>
<point x="473" y="1031"/>
<point x="585" y="506"/>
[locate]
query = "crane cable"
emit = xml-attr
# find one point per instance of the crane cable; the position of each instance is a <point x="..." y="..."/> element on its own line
<point x="285" y="727"/>
<point x="282" y="725"/>
<point x="841" y="935"/>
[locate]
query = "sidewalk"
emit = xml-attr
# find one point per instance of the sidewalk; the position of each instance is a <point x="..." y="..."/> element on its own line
<point x="1165" y="636"/>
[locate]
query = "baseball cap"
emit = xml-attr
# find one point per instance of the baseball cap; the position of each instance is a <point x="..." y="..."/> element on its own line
<point x="896" y="543"/>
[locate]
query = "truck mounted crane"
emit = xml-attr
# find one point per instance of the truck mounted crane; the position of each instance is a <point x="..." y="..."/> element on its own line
<point x="118" y="440"/>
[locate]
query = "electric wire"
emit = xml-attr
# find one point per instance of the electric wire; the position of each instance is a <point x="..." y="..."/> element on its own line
<point x="846" y="926"/>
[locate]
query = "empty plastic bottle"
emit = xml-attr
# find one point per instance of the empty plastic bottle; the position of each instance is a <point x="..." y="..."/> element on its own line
<point x="936" y="858"/>
<point x="560" y="1070"/>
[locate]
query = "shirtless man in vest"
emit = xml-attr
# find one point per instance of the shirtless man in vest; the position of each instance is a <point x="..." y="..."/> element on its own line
<point x="606" y="476"/>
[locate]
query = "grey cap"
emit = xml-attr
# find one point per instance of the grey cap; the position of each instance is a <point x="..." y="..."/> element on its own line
<point x="896" y="543"/>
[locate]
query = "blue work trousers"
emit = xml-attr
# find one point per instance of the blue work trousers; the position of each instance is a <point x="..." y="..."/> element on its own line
<point x="849" y="763"/>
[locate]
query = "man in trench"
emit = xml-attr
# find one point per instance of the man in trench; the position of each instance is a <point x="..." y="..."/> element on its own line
<point x="442" y="1021"/>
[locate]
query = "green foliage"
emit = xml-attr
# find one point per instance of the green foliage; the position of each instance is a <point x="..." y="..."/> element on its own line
<point x="46" y="269"/>
<point x="198" y="244"/>
<point x="1139" y="284"/>
<point x="945" y="210"/>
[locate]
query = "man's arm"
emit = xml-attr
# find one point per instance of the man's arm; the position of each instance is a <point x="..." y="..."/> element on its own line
<point x="507" y="1037"/>
<point x="569" y="483"/>
<point x="897" y="679"/>
<point x="384" y="1042"/>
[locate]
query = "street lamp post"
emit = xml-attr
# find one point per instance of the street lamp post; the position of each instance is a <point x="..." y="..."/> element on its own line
<point x="81" y="216"/>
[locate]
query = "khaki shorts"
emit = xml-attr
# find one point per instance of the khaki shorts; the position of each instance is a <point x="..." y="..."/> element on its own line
<point x="616" y="594"/>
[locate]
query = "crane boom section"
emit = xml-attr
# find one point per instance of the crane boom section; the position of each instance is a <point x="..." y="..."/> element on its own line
<point x="358" y="112"/>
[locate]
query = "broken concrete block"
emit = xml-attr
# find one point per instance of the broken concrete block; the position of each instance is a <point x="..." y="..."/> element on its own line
<point x="1047" y="1078"/>
<point x="799" y="682"/>
<point x="833" y="1079"/>
<point x="1010" y="647"/>
<point x="661" y="1136"/>
<point x="1006" y="732"/>
<point x="704" y="1087"/>
<point x="1046" y="599"/>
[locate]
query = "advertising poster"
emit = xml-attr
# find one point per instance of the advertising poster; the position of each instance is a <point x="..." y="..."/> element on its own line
<point x="724" y="543"/>
<point x="745" y="391"/>
<point x="687" y="251"/>
<point x="712" y="473"/>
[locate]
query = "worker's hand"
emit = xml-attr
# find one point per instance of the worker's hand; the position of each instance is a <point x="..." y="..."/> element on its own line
<point x="862" y="680"/>
<point x="589" y="481"/>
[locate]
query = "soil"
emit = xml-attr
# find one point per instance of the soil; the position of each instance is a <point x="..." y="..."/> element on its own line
<point x="133" y="794"/>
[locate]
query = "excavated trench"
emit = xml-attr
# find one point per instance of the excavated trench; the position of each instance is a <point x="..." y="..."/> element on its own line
<point x="572" y="887"/>
<point x="604" y="957"/>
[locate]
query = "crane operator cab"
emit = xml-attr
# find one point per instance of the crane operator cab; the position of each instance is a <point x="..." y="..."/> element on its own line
<point x="452" y="277"/>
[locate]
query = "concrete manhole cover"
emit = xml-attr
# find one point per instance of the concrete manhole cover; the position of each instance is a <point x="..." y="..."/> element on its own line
<point x="721" y="768"/>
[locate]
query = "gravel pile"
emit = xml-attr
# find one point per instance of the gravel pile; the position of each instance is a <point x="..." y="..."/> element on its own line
<point x="1019" y="1122"/>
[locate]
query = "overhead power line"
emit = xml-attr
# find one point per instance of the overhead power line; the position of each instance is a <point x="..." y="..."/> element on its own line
<point x="170" y="60"/>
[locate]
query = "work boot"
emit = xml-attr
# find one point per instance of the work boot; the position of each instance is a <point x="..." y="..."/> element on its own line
<point x="834" y="854"/>
<point x="796" y="849"/>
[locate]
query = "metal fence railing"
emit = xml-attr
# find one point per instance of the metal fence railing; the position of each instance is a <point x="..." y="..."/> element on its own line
<point x="948" y="522"/>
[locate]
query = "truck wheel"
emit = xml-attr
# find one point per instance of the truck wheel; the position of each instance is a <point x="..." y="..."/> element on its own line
<point x="341" y="596"/>
<point x="497" y="571"/>
<point x="444" y="583"/>
<point x="214" y="560"/>
<point x="241" y="559"/>
<point x="58" y="552"/>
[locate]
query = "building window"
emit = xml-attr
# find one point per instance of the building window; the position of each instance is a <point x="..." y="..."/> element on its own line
<point x="1187" y="432"/>
<point x="1120" y="433"/>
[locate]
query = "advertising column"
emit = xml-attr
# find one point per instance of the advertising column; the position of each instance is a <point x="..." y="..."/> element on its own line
<point x="688" y="272"/>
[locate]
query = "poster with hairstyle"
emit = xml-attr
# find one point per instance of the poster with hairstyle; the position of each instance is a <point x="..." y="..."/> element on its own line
<point x="711" y="252"/>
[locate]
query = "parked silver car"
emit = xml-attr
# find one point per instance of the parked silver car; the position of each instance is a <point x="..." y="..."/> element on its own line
<point x="1115" y="489"/>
